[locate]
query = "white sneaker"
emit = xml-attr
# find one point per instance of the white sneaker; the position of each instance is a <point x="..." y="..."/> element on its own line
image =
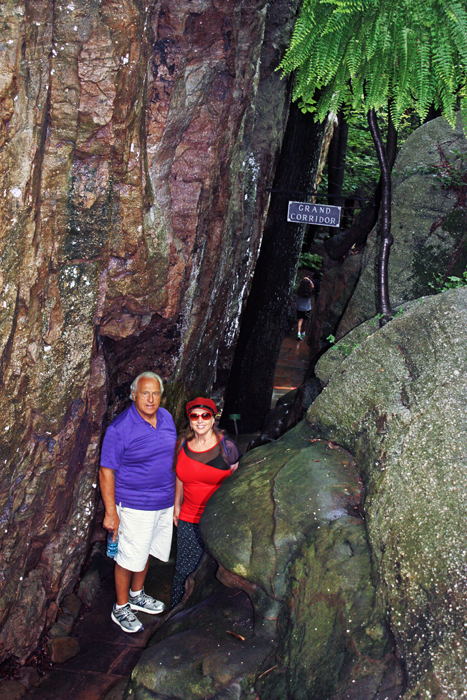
<point x="146" y="603"/>
<point x="126" y="619"/>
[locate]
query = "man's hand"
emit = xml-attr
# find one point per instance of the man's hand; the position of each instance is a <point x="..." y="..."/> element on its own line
<point x="111" y="523"/>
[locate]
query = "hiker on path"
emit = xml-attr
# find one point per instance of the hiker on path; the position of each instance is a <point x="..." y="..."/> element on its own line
<point x="303" y="304"/>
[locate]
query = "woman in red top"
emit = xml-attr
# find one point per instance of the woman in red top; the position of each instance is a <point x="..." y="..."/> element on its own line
<point x="204" y="459"/>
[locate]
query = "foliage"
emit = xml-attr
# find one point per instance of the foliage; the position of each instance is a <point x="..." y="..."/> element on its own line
<point x="311" y="261"/>
<point x="361" y="164"/>
<point x="442" y="284"/>
<point x="364" y="53"/>
<point x="361" y="170"/>
<point x="346" y="348"/>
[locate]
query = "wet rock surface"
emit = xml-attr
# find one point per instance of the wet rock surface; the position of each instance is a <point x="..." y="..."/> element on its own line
<point x="89" y="586"/>
<point x="286" y="413"/>
<point x="107" y="655"/>
<point x="208" y="651"/>
<point x="29" y="677"/>
<point x="62" y="626"/>
<point x="71" y="605"/>
<point x="397" y="402"/>
<point x="137" y="145"/>
<point x="63" y="648"/>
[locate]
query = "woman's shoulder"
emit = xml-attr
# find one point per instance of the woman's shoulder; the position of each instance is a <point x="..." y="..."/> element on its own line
<point x="232" y="449"/>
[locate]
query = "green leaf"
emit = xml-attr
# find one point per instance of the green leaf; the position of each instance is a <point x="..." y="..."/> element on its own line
<point x="364" y="53"/>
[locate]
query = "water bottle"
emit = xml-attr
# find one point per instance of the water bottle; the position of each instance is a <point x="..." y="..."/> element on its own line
<point x="112" y="547"/>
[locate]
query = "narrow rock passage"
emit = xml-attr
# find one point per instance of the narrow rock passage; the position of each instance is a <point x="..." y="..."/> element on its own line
<point x="291" y="368"/>
<point x="107" y="654"/>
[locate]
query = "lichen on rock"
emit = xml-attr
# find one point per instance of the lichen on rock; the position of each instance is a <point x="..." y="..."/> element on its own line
<point x="428" y="223"/>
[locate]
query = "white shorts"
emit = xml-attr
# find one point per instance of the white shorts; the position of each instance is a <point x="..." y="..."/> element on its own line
<point x="141" y="533"/>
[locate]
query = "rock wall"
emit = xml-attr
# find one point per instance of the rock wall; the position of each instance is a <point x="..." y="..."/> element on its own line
<point x="137" y="141"/>
<point x="397" y="403"/>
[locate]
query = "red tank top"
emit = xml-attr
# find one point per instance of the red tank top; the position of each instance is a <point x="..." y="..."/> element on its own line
<point x="200" y="481"/>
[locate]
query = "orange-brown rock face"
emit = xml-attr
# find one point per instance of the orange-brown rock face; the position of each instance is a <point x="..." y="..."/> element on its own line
<point x="137" y="140"/>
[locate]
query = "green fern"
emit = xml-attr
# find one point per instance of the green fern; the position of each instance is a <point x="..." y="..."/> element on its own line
<point x="362" y="53"/>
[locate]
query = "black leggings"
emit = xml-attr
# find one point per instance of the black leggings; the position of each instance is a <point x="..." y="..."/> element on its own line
<point x="190" y="548"/>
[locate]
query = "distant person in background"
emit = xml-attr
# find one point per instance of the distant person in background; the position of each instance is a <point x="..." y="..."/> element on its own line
<point x="204" y="458"/>
<point x="304" y="294"/>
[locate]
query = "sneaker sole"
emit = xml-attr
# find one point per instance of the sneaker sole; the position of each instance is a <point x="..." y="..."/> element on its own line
<point x="145" y="610"/>
<point x="124" y="628"/>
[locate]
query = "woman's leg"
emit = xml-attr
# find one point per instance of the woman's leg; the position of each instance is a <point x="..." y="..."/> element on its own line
<point x="190" y="549"/>
<point x="299" y="323"/>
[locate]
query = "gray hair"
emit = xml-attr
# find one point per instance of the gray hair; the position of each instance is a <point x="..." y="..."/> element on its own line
<point x="143" y="375"/>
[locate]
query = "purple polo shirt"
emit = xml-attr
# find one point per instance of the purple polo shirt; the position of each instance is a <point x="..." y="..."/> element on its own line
<point x="142" y="458"/>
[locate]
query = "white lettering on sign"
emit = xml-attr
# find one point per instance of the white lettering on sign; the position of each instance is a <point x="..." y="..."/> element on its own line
<point x="314" y="209"/>
<point x="314" y="219"/>
<point x="318" y="214"/>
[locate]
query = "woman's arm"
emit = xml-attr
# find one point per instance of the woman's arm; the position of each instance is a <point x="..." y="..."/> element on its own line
<point x="233" y="453"/>
<point x="178" y="499"/>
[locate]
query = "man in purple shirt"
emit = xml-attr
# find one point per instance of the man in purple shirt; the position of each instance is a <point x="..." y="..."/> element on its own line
<point x="138" y="487"/>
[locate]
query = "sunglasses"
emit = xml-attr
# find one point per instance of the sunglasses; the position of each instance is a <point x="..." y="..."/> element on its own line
<point x="204" y="416"/>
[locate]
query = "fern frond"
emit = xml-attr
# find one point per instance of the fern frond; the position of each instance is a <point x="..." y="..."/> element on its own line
<point x="362" y="53"/>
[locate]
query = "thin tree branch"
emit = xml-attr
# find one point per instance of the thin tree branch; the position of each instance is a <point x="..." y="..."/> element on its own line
<point x="386" y="236"/>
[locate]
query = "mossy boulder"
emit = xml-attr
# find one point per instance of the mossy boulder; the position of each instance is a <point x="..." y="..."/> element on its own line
<point x="397" y="402"/>
<point x="289" y="523"/>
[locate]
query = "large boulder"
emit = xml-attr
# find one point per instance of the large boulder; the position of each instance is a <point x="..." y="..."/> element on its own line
<point x="288" y="529"/>
<point x="396" y="398"/>
<point x="428" y="222"/>
<point x="137" y="143"/>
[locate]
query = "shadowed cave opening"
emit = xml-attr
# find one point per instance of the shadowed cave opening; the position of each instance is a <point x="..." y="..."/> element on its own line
<point x="155" y="348"/>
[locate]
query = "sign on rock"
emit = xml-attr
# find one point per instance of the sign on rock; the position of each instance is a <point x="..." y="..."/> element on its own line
<point x="321" y="214"/>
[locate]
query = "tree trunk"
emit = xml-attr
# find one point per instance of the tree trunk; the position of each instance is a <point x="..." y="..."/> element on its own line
<point x="263" y="325"/>
<point x="384" y="305"/>
<point x="340" y="244"/>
